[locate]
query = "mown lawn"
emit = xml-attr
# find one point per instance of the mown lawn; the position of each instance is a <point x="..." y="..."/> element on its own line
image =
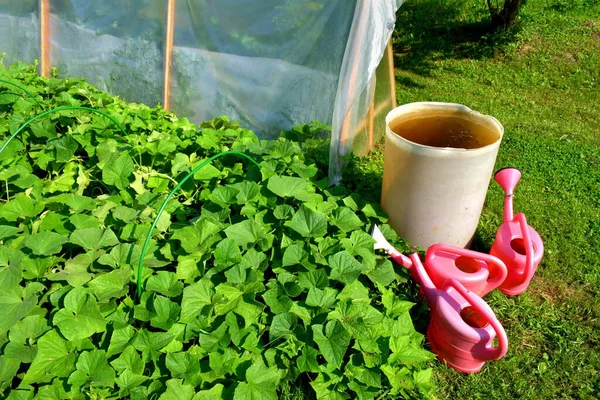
<point x="543" y="83"/>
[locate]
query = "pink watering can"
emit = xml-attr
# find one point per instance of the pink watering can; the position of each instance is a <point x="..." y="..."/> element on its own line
<point x="517" y="244"/>
<point x="463" y="327"/>
<point x="478" y="272"/>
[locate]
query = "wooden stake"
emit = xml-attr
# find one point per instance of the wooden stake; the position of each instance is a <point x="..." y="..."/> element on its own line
<point x="45" y="38"/>
<point x="170" y="26"/>
<point x="390" y="54"/>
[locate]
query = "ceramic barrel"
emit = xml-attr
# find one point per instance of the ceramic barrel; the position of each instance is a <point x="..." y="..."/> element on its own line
<point x="438" y="161"/>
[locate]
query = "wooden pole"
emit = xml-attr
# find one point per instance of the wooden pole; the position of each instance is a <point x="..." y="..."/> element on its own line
<point x="390" y="54"/>
<point x="372" y="124"/>
<point x="169" y="28"/>
<point x="45" y="38"/>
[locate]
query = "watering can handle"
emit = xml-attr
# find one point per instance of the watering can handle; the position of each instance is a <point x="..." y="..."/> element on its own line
<point x="529" y="253"/>
<point x="497" y="268"/>
<point x="481" y="307"/>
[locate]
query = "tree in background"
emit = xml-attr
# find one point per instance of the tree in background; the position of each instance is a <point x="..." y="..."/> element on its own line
<point x="505" y="17"/>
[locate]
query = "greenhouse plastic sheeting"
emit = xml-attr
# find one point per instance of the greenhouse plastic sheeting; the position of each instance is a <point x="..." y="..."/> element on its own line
<point x="269" y="64"/>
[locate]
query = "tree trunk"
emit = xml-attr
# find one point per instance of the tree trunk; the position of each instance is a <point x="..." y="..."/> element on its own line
<point x="505" y="18"/>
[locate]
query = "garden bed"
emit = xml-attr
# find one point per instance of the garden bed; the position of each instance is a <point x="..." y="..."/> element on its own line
<point x="255" y="278"/>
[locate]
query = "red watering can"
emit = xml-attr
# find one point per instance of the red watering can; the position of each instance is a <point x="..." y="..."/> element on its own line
<point x="478" y="272"/>
<point x="462" y="327"/>
<point x="517" y="244"/>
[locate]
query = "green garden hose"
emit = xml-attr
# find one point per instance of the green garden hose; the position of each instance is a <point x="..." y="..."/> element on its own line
<point x="23" y="89"/>
<point x="164" y="204"/>
<point x="60" y="109"/>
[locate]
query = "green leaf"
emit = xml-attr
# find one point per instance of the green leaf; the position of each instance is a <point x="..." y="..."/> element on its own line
<point x="165" y="283"/>
<point x="20" y="206"/>
<point x="334" y="343"/>
<point x="81" y="221"/>
<point x="245" y="232"/>
<point x="375" y="211"/>
<point x="78" y="203"/>
<point x="150" y="343"/>
<point x="129" y="380"/>
<point x="81" y="317"/>
<point x="125" y="214"/>
<point x="45" y="243"/>
<point x="227" y="253"/>
<point x="223" y="195"/>
<point x="344" y="267"/>
<point x="304" y="171"/>
<point x="423" y="380"/>
<point x="252" y="259"/>
<point x="317" y="279"/>
<point x="111" y="285"/>
<point x="176" y="390"/>
<point x="205" y="173"/>
<point x="22" y="337"/>
<point x="383" y="273"/>
<point x="196" y="237"/>
<point x="123" y="256"/>
<point x="8" y="369"/>
<point x="393" y="305"/>
<point x="64" y="148"/>
<point x="247" y="191"/>
<point x="283" y="211"/>
<point x="216" y="392"/>
<point x="282" y="325"/>
<point x="287" y="186"/>
<point x="307" y="362"/>
<point x="276" y="302"/>
<point x="182" y="364"/>
<point x="92" y="369"/>
<point x="166" y="313"/>
<point x="293" y="254"/>
<point x="321" y="298"/>
<point x="407" y="351"/>
<point x="346" y="220"/>
<point x="308" y="223"/>
<point x="236" y="275"/>
<point x="120" y="340"/>
<point x="13" y="305"/>
<point x="117" y="172"/>
<point x="261" y="383"/>
<point x="363" y="392"/>
<point x="195" y="297"/>
<point x="53" y="359"/>
<point x="63" y="182"/>
<point x="7" y="231"/>
<point x="94" y="238"/>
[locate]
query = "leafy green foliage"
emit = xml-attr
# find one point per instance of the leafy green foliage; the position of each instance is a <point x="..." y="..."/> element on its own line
<point x="254" y="278"/>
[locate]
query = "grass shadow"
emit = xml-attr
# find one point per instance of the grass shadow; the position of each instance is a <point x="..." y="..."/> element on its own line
<point x="432" y="30"/>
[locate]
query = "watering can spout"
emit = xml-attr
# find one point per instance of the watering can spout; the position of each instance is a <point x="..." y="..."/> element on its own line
<point x="508" y="179"/>
<point x="381" y="243"/>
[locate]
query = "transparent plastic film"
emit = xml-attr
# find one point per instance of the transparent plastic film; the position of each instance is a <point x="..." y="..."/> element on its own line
<point x="117" y="45"/>
<point x="269" y="64"/>
<point x="371" y="31"/>
<point x="20" y="31"/>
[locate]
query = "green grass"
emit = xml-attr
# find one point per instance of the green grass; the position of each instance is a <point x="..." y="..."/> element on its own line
<point x="543" y="83"/>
